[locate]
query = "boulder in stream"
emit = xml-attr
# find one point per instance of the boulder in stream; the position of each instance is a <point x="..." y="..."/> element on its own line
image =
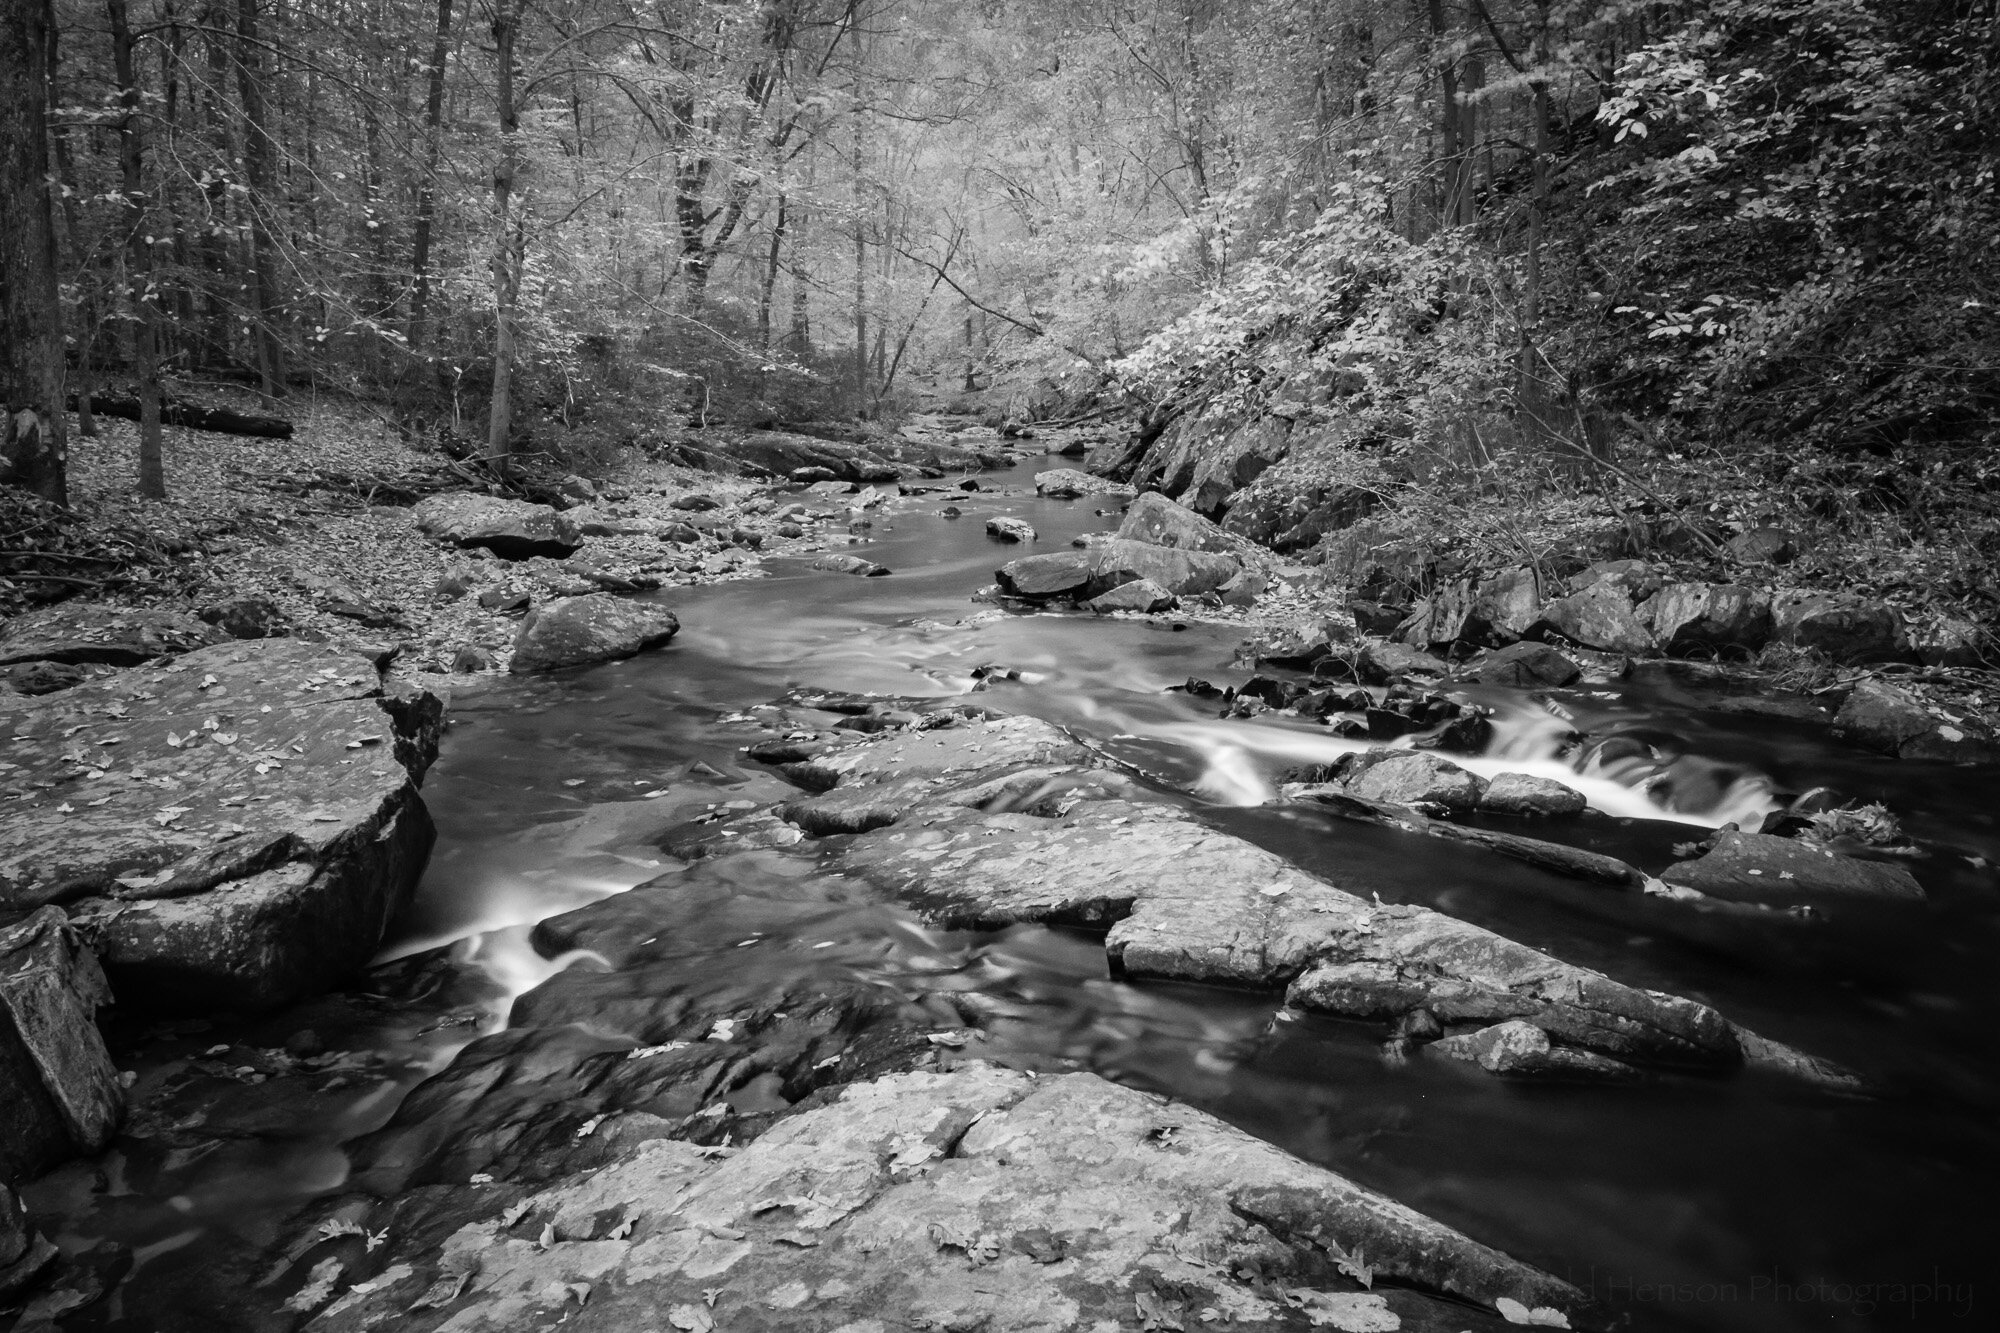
<point x="978" y="1198"/>
<point x="1067" y="483"/>
<point x="1896" y="721"/>
<point x="229" y="830"/>
<point x="1525" y="794"/>
<point x="59" y="1094"/>
<point x="511" y="529"/>
<point x="1104" y="565"/>
<point x="1761" y="868"/>
<point x="1416" y="778"/>
<point x="598" y="627"/>
<point x="1007" y="529"/>
<point x="1527" y="666"/>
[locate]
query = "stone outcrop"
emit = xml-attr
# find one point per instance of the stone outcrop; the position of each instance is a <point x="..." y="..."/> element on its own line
<point x="1295" y="517"/>
<point x="59" y="1095"/>
<point x="598" y="627"/>
<point x="511" y="529"/>
<point x="229" y="830"/>
<point x="85" y="633"/>
<point x="975" y="1198"/>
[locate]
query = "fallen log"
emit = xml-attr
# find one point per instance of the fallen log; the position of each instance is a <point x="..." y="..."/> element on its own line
<point x="174" y="412"/>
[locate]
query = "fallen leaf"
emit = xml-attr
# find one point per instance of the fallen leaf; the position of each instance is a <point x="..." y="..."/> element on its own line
<point x="1351" y="1312"/>
<point x="1516" y="1313"/>
<point x="318" y="1289"/>
<point x="691" y="1318"/>
<point x="442" y="1292"/>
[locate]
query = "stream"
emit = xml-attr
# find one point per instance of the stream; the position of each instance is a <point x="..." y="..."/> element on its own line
<point x="1690" y="1203"/>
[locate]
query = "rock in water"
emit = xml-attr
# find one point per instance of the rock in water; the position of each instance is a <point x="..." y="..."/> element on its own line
<point x="232" y="829"/>
<point x="23" y="1253"/>
<point x="1527" y="666"/>
<point x="1416" y="778"/>
<point x="1155" y="519"/>
<point x="1894" y="721"/>
<point x="1140" y="595"/>
<point x="849" y="564"/>
<point x="1009" y="529"/>
<point x="1066" y="483"/>
<point x="1761" y="868"/>
<point x="1185" y="573"/>
<point x="975" y="1199"/>
<point x="511" y="529"/>
<point x="599" y="627"/>
<point x="1521" y="1049"/>
<point x="91" y="633"/>
<point x="59" y="1094"/>
<point x="1525" y="794"/>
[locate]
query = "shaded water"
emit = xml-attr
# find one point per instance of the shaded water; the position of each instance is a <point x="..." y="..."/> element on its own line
<point x="1744" y="1203"/>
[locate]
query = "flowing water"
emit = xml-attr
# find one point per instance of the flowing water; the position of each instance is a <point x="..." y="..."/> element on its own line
<point x="1745" y="1203"/>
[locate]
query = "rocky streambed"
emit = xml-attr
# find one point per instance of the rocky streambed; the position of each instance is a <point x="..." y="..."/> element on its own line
<point x="867" y="957"/>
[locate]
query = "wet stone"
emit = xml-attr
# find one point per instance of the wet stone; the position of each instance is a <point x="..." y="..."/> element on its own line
<point x="232" y="829"/>
<point x="1525" y="794"/>
<point x="1007" y="1203"/>
<point x="1757" y="867"/>
<point x="597" y="627"/>
<point x="59" y="1094"/>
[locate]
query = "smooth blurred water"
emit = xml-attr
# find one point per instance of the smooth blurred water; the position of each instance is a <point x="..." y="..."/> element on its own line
<point x="1691" y="1203"/>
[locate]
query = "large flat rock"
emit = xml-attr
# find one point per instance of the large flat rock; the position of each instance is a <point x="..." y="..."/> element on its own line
<point x="1189" y="903"/>
<point x="976" y="1199"/>
<point x="91" y="632"/>
<point x="233" y="828"/>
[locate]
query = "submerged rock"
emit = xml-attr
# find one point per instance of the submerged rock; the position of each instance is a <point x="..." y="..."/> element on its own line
<point x="232" y="829"/>
<point x="511" y="529"/>
<point x="24" y="1254"/>
<point x="59" y="1094"/>
<point x="598" y="627"/>
<point x="1761" y="868"/>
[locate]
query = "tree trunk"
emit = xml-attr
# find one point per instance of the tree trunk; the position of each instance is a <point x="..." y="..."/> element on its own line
<point x="32" y="453"/>
<point x="860" y="276"/>
<point x="139" y="252"/>
<point x="420" y="241"/>
<point x="259" y="163"/>
<point x="769" y="285"/>
<point x="508" y="244"/>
